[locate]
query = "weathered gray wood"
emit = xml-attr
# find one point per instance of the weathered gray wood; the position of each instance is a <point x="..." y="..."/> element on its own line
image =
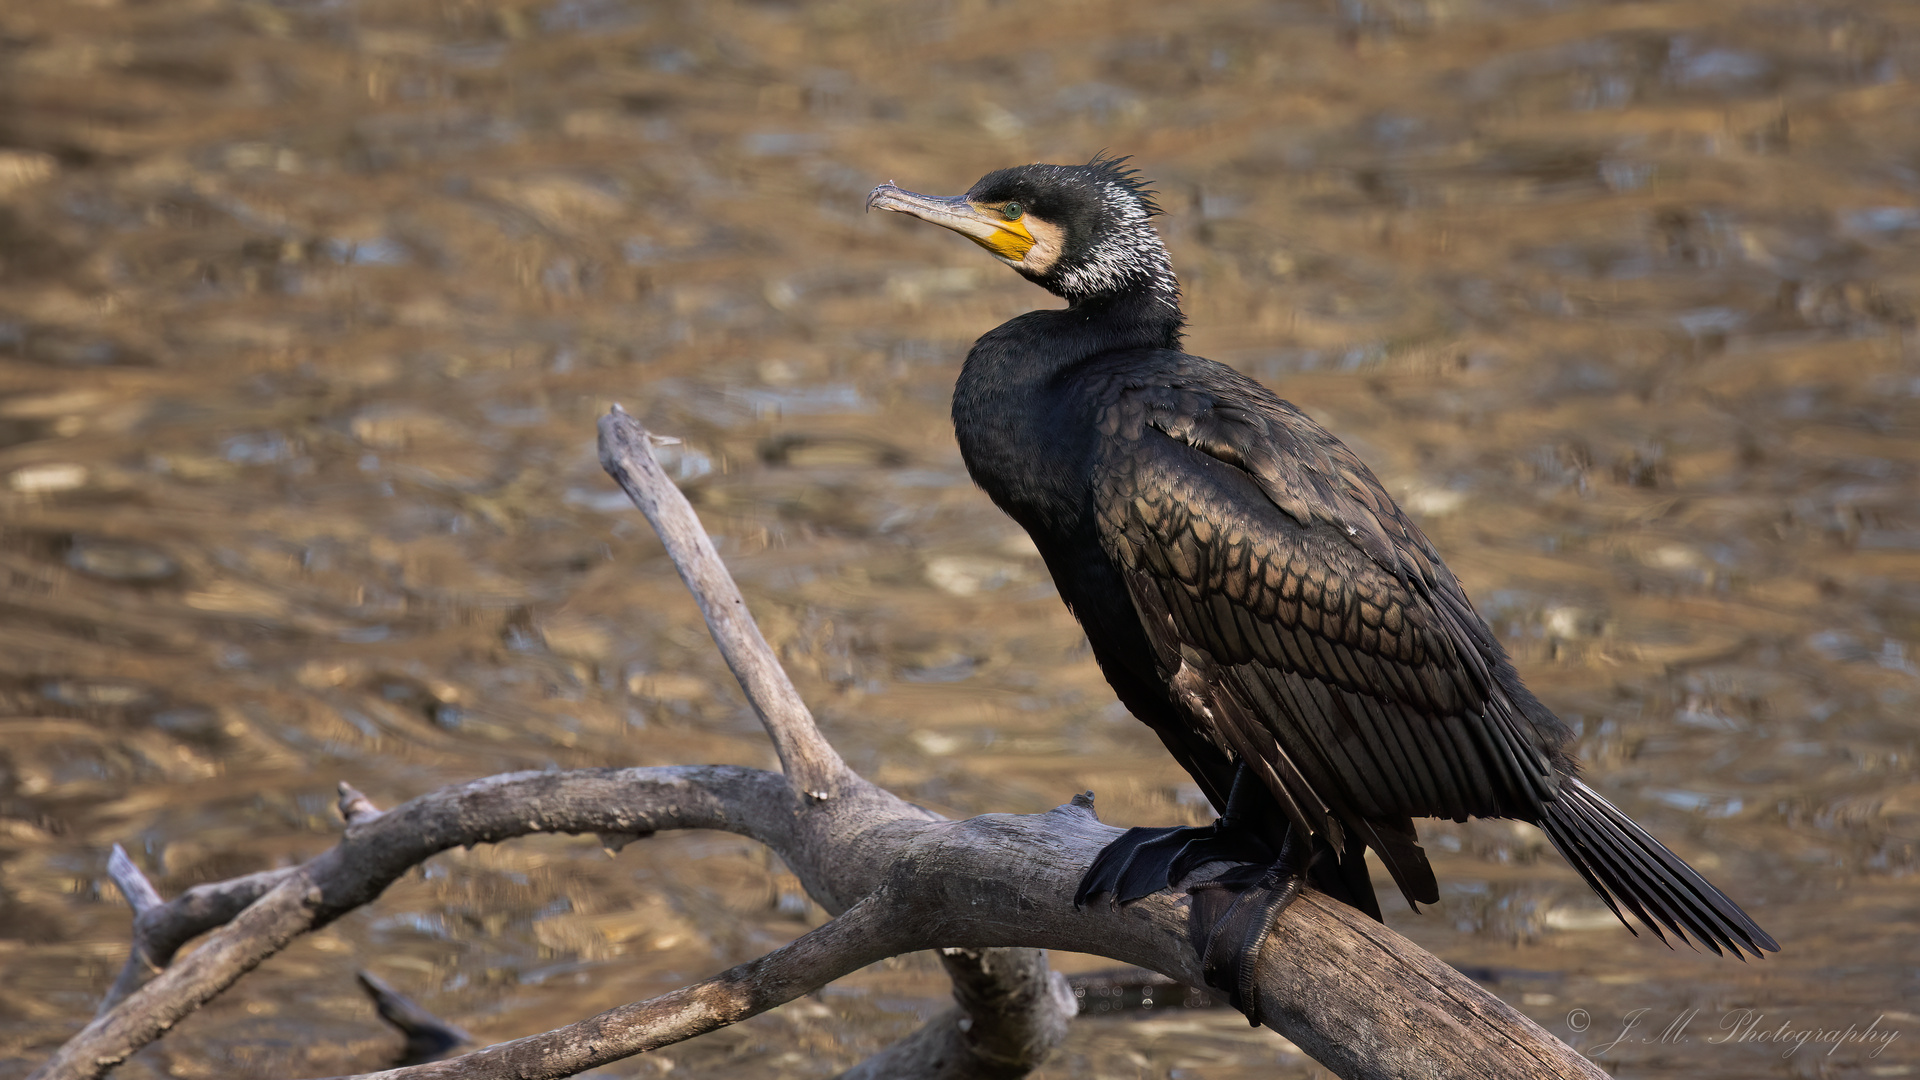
<point x="1364" y="1000"/>
<point x="808" y="759"/>
<point x="141" y="896"/>
<point x="1360" y="998"/>
<point x="1010" y="1011"/>
<point x="160" y="928"/>
<point x="355" y="808"/>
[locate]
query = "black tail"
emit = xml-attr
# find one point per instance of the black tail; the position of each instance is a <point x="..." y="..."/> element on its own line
<point x="1627" y="866"/>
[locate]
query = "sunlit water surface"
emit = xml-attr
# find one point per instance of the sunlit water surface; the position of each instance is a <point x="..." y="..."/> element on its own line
<point x="307" y="309"/>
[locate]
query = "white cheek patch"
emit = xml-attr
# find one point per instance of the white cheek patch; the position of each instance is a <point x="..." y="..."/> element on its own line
<point x="1048" y="239"/>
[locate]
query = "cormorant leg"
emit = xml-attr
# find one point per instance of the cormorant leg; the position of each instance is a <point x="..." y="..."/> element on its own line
<point x="1144" y="861"/>
<point x="1231" y="920"/>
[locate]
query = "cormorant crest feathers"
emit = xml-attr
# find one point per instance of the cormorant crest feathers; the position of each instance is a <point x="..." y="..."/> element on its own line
<point x="1114" y="170"/>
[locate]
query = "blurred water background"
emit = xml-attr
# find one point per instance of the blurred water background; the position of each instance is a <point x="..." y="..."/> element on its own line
<point x="307" y="309"/>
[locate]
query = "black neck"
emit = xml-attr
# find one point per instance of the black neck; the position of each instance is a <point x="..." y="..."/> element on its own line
<point x="1006" y="415"/>
<point x="1040" y="344"/>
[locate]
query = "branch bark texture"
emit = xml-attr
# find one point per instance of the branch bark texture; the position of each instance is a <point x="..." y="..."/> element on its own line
<point x="808" y="759"/>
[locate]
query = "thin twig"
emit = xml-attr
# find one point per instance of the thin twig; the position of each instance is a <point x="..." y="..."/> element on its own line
<point x="140" y="893"/>
<point x="142" y="962"/>
<point x="355" y="807"/>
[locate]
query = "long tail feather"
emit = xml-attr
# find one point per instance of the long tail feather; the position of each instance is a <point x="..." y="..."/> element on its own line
<point x="1629" y="868"/>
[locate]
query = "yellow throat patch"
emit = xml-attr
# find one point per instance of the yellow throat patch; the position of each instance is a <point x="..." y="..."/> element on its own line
<point x="1010" y="240"/>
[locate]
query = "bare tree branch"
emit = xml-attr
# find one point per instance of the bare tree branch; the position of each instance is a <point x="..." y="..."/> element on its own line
<point x="811" y="763"/>
<point x="1360" y="998"/>
<point x="1355" y="995"/>
<point x="1024" y="1024"/>
<point x="159" y="932"/>
<point x="372" y="855"/>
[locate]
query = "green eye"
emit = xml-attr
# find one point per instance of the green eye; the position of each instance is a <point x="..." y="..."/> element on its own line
<point x="1011" y="211"/>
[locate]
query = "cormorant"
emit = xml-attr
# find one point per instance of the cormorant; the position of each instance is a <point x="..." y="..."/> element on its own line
<point x="1256" y="598"/>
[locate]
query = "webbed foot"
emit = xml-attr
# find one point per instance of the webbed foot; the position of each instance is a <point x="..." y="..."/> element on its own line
<point x="1144" y="861"/>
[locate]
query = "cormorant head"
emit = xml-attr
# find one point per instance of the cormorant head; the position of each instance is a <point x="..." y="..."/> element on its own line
<point x="1078" y="231"/>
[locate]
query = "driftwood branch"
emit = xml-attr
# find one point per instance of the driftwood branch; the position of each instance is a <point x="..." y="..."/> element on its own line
<point x="988" y="891"/>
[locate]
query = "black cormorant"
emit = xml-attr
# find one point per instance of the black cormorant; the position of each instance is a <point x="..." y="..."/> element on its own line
<point x="1255" y="596"/>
